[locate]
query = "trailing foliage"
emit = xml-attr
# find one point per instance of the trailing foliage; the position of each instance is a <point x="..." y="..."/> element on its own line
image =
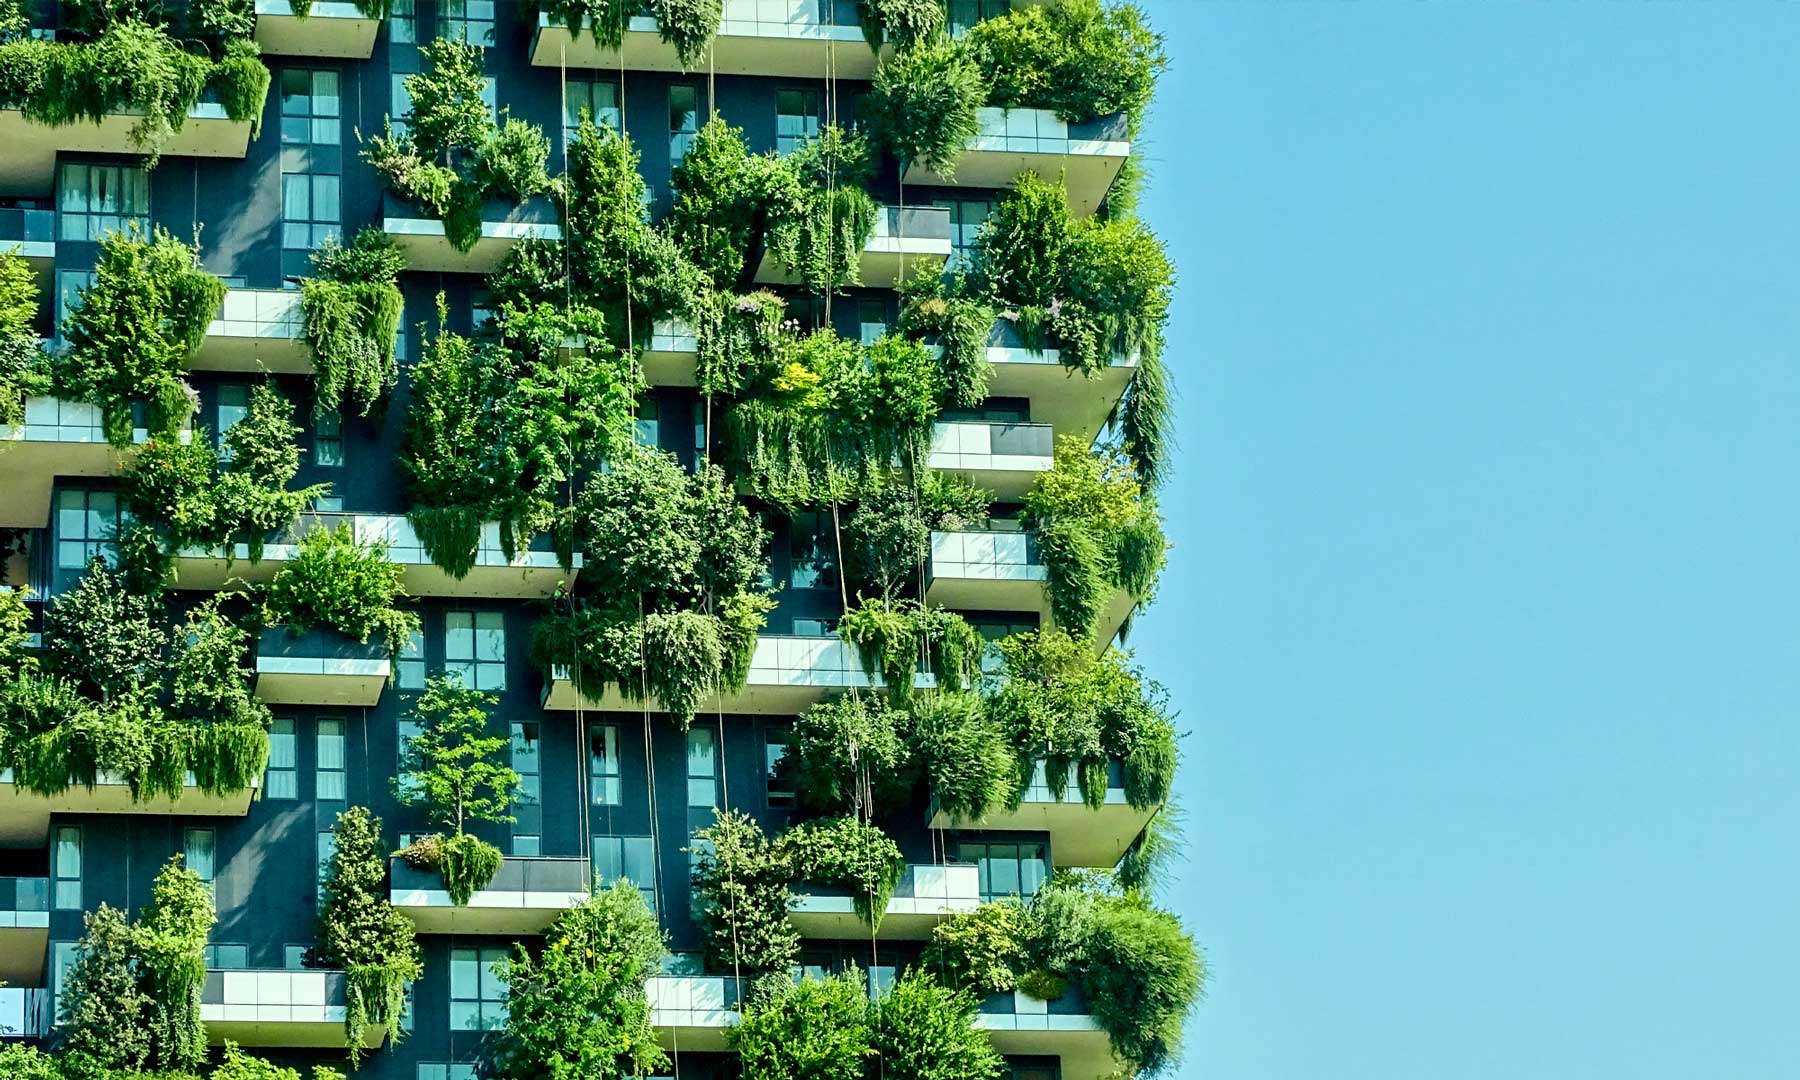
<point x="498" y="427"/>
<point x="134" y="67"/>
<point x="978" y="950"/>
<point x="741" y="896"/>
<point x="453" y="156"/>
<point x="926" y="1030"/>
<point x="688" y="25"/>
<point x="960" y="326"/>
<point x="170" y="953"/>
<point x="360" y="932"/>
<point x="817" y="232"/>
<point x="815" y="1029"/>
<point x="849" y="853"/>
<point x="893" y="638"/>
<point x="722" y="195"/>
<point x="905" y="23"/>
<point x="1096" y="532"/>
<point x="339" y="583"/>
<point x="1146" y="866"/>
<point x="352" y="305"/>
<point x="925" y="104"/>
<point x="847" y="756"/>
<point x="967" y="761"/>
<point x="132" y="332"/>
<point x="24" y="367"/>
<point x="209" y="684"/>
<point x="579" y="1010"/>
<point x="1078" y="58"/>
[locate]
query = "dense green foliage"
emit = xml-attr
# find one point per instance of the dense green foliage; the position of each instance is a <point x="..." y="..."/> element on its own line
<point x="741" y="896"/>
<point x="352" y="305"/>
<point x="101" y="1004"/>
<point x="977" y="950"/>
<point x="360" y="932"/>
<point x="847" y="755"/>
<point x="340" y="583"/>
<point x="964" y="756"/>
<point x="722" y="195"/>
<point x="896" y="638"/>
<point x="453" y="157"/>
<point x="905" y="23"/>
<point x="817" y="231"/>
<point x="924" y="105"/>
<point x="578" y="1010"/>
<point x="849" y="853"/>
<point x="1096" y="533"/>
<point x="960" y="326"/>
<point x="170" y="953"/>
<point x="24" y="367"/>
<point x="132" y="332"/>
<point x="926" y="1030"/>
<point x="24" y="1062"/>
<point x="816" y="1029"/>
<point x="456" y="769"/>
<point x="1078" y="58"/>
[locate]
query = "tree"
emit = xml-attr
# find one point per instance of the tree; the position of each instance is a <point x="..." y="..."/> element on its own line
<point x="103" y="637"/>
<point x="360" y="931"/>
<point x="454" y="763"/>
<point x="924" y="1030"/>
<point x="741" y="885"/>
<point x="579" y="1011"/>
<point x="171" y="938"/>
<point x="817" y="1029"/>
<point x="101" y="1008"/>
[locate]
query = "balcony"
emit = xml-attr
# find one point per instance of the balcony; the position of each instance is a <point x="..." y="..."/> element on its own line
<point x="319" y="667"/>
<point x="787" y="674"/>
<point x="693" y="1011"/>
<point x="1005" y="458"/>
<point x="331" y="28"/>
<point x="991" y="570"/>
<point x="1087" y="155"/>
<point x="25" y="817"/>
<point x="503" y="224"/>
<point x="525" y="897"/>
<point x="278" y="1009"/>
<point x="531" y="574"/>
<point x="1070" y="402"/>
<point x="28" y="166"/>
<point x="30" y="234"/>
<point x="796" y="39"/>
<point x="58" y="438"/>
<point x="24" y="930"/>
<point x="905" y="238"/>
<point x="24" y="1013"/>
<point x="925" y="897"/>
<point x="257" y="330"/>
<point x="1018" y="1023"/>
<point x="1080" y="835"/>
<point x="669" y="358"/>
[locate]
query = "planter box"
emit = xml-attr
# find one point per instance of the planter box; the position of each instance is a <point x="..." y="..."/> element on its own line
<point x="319" y="667"/>
<point x="278" y="1009"/>
<point x="1087" y="155"/>
<point x="525" y="897"/>
<point x="503" y="224"/>
<point x="925" y="896"/>
<point x="906" y="238"/>
<point x="789" y="38"/>
<point x="331" y="28"/>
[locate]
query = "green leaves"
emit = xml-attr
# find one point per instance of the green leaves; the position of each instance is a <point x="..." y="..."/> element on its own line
<point x="847" y="852"/>
<point x="741" y="894"/>
<point x="352" y="309"/>
<point x="337" y="582"/>
<point x="455" y="763"/>
<point x="925" y="104"/>
<point x="1077" y="58"/>
<point x="816" y="1029"/>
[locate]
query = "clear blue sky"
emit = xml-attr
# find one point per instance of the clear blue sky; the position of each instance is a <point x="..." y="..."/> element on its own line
<point x="1485" y="611"/>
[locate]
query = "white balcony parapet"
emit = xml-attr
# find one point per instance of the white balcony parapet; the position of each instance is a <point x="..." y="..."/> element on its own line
<point x="525" y="897"/>
<point x="278" y="1008"/>
<point x="28" y="166"/>
<point x="905" y="239"/>
<point x="1005" y="458"/>
<point x="426" y="243"/>
<point x="320" y="667"/>
<point x="1086" y="155"/>
<point x="25" y="816"/>
<point x="334" y="28"/>
<point x="58" y="438"/>
<point x="1080" y="835"/>
<point x="694" y="1011"/>
<point x="782" y="38"/>
<point x="994" y="570"/>
<point x="257" y="330"/>
<point x="925" y="896"/>
<point x="1018" y="1023"/>
<point x="24" y="932"/>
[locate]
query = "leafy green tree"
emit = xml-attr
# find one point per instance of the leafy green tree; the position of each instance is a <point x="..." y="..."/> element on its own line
<point x="102" y="1009"/>
<point x="170" y="947"/>
<point x="353" y="307"/>
<point x="339" y="582"/>
<point x="360" y="931"/>
<point x="968" y="764"/>
<point x="237" y="1065"/>
<point x="210" y="684"/>
<point x="578" y="1010"/>
<point x="846" y="755"/>
<point x="925" y="105"/>
<point x="926" y="1031"/>
<point x="741" y="891"/>
<point x="816" y="1029"/>
<point x="457" y="766"/>
<point x="979" y="950"/>
<point x="103" y="638"/>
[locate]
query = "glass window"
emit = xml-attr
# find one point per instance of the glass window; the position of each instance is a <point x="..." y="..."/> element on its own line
<point x="1007" y="870"/>
<point x="234" y="405"/>
<point x="872" y="320"/>
<point x="310" y="209"/>
<point x="198" y="852"/>
<point x="627" y="858"/>
<point x="814" y="627"/>
<point x="702" y="768"/>
<point x="410" y="670"/>
<point x="647" y="429"/>
<point x="604" y="786"/>
<point x="399" y="102"/>
<point x="330" y="785"/>
<point x="324" y="851"/>
<point x="475" y="648"/>
<point x="281" y="781"/>
<point x="293" y="957"/>
<point x="328" y="438"/>
<point x="227" y="957"/>
<point x="528" y="808"/>
<point x="69" y="284"/>
<point x="796" y="119"/>
<point x="62" y="957"/>
<point x="86" y="522"/>
<point x="468" y="21"/>
<point x="311" y="108"/>
<point x="599" y="100"/>
<point x="964" y="14"/>
<point x="439" y="1071"/>
<point x="65" y="871"/>
<point x="93" y="200"/>
<point x="407" y="997"/>
<point x="811" y="545"/>
<point x="407" y="780"/>
<point x="403" y="26"/>
<point x="775" y="748"/>
<point x="684" y="121"/>
<point x="477" y="994"/>
<point x="966" y="218"/>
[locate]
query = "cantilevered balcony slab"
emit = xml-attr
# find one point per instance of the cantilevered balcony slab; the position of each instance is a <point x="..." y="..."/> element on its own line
<point x="906" y="238"/>
<point x="926" y="896"/>
<point x="1001" y="571"/>
<point x="1070" y="401"/>
<point x="670" y="357"/>
<point x="1019" y="1024"/>
<point x="1087" y="155"/>
<point x="28" y="165"/>
<point x="257" y="330"/>
<point x="25" y="817"/>
<point x="278" y="1009"/>
<point x="329" y="28"/>
<point x="1080" y="835"/>
<point x="24" y="932"/>
<point x="694" y="1011"/>
<point x="787" y="674"/>
<point x="24" y="1012"/>
<point x="1003" y="458"/>
<point x="796" y="39"/>
<point x="528" y="575"/>
<point x="525" y="897"/>
<point x="420" y="235"/>
<point x="320" y="667"/>
<point x="58" y="438"/>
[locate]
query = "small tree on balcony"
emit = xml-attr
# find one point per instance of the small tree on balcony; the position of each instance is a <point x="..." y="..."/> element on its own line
<point x="455" y="768"/>
<point x="101" y="1007"/>
<point x="360" y="931"/>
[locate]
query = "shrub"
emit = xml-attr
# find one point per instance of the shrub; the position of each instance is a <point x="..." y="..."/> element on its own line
<point x="887" y="540"/>
<point x="846" y="756"/>
<point x="24" y="368"/>
<point x="968" y="764"/>
<point x="208" y="680"/>
<point x="816" y="1029"/>
<point x="961" y="326"/>
<point x="817" y="232"/>
<point x="1073" y="57"/>
<point x="925" y="103"/>
<point x="102" y="638"/>
<point x="360" y="932"/>
<point x="716" y="214"/>
<point x="892" y="638"/>
<point x="352" y="305"/>
<point x="337" y="582"/>
<point x="169" y="945"/>
<point x="979" y="951"/>
<point x="1096" y="532"/>
<point x="688" y="25"/>
<point x="741" y="895"/>
<point x="906" y="23"/>
<point x="926" y="1030"/>
<point x="848" y="853"/>
<point x="101" y="1009"/>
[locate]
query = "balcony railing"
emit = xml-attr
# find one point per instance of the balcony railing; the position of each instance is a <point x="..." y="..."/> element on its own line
<point x="1087" y="155"/>
<point x="525" y="897"/>
<point x="905" y="239"/>
<point x="28" y="164"/>
<point x="24" y="928"/>
<point x="694" y="1011"/>
<point x="278" y="1008"/>
<point x="333" y="28"/>
<point x="504" y="224"/>
<point x="1080" y="835"/>
<point x="25" y="817"/>
<point x="1005" y="458"/>
<point x="30" y="233"/>
<point x="794" y="39"/>
<point x="319" y="667"/>
<point x="257" y="330"/>
<point x="1017" y="1023"/>
<point x="925" y="896"/>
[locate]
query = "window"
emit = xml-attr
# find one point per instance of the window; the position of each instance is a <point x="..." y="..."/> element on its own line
<point x="475" y="648"/>
<point x="399" y="102"/>
<point x="599" y="100"/>
<point x="328" y="504"/>
<point x="199" y="853"/>
<point x="410" y="667"/>
<point x="648" y="427"/>
<point x="796" y="119"/>
<point x="62" y="958"/>
<point x="407" y="996"/>
<point x="65" y="871"/>
<point x="310" y="211"/>
<point x="69" y="284"/>
<point x="227" y="957"/>
<point x="815" y="627"/>
<point x="964" y="14"/>
<point x="881" y="980"/>
<point x="293" y="957"/>
<point x="467" y="21"/>
<point x="328" y="438"/>
<point x="234" y="405"/>
<point x="281" y="781"/>
<point x="702" y="768"/>
<point x="407" y="780"/>
<point x="93" y="200"/>
<point x="627" y="858"/>
<point x="604" y="787"/>
<point x="324" y="851"/>
<point x="966" y="218"/>
<point x="813" y="564"/>
<point x="872" y="321"/>
<point x="440" y="1071"/>
<point x="86" y="522"/>
<point x="528" y="808"/>
<point x="477" y="995"/>
<point x="310" y="108"/>
<point x="1007" y="870"/>
<point x="684" y="121"/>
<point x="403" y="26"/>
<point x="330" y="783"/>
<point x="776" y="786"/>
